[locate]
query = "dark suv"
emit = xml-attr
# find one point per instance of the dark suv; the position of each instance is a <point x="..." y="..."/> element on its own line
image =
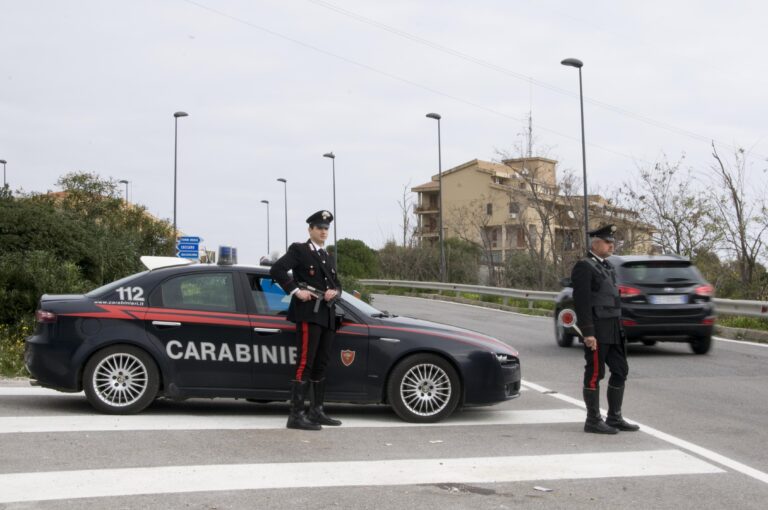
<point x="663" y="298"/>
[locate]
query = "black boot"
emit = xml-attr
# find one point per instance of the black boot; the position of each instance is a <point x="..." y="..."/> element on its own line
<point x="316" y="412"/>
<point x="595" y="423"/>
<point x="297" y="419"/>
<point x="614" y="419"/>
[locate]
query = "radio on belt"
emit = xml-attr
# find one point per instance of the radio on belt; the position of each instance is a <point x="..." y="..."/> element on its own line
<point x="227" y="256"/>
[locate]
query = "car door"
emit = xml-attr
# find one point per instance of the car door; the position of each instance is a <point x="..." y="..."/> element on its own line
<point x="275" y="340"/>
<point x="201" y="322"/>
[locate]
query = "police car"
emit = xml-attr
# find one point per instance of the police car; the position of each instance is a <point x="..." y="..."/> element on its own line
<point x="181" y="330"/>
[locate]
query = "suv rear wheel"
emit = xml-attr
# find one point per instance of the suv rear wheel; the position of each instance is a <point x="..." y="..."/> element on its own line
<point x="701" y="344"/>
<point x="562" y="338"/>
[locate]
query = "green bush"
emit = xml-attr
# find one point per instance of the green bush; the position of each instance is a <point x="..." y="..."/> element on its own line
<point x="12" y="347"/>
<point x="738" y="321"/>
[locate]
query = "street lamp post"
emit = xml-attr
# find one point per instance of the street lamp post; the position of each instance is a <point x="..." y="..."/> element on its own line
<point x="124" y="181"/>
<point x="267" y="202"/>
<point x="578" y="64"/>
<point x="437" y="117"/>
<point x="4" y="163"/>
<point x="285" y="192"/>
<point x="335" y="219"/>
<point x="175" y="158"/>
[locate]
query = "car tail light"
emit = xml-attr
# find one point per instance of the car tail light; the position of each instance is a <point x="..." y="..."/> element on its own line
<point x="708" y="321"/>
<point x="628" y="322"/>
<point x="627" y="291"/>
<point x="704" y="290"/>
<point x="45" y="317"/>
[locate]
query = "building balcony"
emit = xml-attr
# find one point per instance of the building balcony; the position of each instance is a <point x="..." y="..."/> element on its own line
<point x="425" y="209"/>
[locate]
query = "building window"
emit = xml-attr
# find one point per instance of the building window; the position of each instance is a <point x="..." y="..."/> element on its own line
<point x="489" y="209"/>
<point x="514" y="210"/>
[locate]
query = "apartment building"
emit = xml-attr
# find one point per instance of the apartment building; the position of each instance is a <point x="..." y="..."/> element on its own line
<point x="517" y="205"/>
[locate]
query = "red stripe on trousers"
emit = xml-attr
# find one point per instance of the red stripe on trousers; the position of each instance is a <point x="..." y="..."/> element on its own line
<point x="595" y="368"/>
<point x="304" y="346"/>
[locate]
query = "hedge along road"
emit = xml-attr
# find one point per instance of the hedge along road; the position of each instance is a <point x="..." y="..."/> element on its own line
<point x="715" y="401"/>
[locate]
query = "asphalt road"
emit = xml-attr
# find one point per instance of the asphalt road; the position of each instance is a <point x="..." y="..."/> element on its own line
<point x="703" y="443"/>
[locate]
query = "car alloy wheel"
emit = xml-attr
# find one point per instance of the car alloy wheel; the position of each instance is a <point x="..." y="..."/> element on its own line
<point x="424" y="388"/>
<point x="121" y="380"/>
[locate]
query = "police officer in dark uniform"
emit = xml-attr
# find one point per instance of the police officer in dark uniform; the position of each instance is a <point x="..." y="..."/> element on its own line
<point x="598" y="312"/>
<point x="314" y="287"/>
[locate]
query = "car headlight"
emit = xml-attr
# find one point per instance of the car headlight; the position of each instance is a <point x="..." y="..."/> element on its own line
<point x="505" y="359"/>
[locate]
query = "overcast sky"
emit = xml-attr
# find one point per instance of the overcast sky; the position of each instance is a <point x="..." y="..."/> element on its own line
<point x="271" y="85"/>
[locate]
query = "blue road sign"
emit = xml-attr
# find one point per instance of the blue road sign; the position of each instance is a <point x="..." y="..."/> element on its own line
<point x="188" y="247"/>
<point x="188" y="254"/>
<point x="189" y="239"/>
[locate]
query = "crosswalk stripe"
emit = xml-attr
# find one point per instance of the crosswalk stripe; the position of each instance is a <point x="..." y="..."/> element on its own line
<point x="41" y="486"/>
<point x="217" y="421"/>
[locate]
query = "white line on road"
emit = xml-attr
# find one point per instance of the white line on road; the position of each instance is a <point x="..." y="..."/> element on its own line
<point x="42" y="486"/>
<point x="742" y="342"/>
<point x="218" y="421"/>
<point x="680" y="443"/>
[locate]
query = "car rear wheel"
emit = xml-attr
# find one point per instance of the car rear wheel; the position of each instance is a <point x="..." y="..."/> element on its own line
<point x="121" y="380"/>
<point x="562" y="338"/>
<point x="701" y="344"/>
<point x="424" y="388"/>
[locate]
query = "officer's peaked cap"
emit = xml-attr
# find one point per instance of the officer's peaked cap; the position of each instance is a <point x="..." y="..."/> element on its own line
<point x="604" y="232"/>
<point x="320" y="219"/>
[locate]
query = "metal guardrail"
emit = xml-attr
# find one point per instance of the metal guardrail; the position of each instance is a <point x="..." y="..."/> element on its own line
<point x="723" y="306"/>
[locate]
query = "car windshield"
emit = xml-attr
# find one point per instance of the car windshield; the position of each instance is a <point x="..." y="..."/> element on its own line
<point x="659" y="272"/>
<point x="105" y="289"/>
<point x="362" y="306"/>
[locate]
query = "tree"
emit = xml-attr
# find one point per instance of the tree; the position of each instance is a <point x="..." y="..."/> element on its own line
<point x="359" y="261"/>
<point x="743" y="217"/>
<point x="683" y="217"/>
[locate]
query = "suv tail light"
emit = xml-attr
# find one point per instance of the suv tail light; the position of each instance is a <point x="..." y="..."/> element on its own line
<point x="704" y="290"/>
<point x="627" y="291"/>
<point x="45" y="317"/>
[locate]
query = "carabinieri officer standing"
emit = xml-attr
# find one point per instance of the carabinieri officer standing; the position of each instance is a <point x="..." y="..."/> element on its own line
<point x="598" y="314"/>
<point x="314" y="278"/>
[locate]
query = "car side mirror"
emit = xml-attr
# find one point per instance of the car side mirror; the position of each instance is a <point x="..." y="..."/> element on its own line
<point x="566" y="282"/>
<point x="339" y="318"/>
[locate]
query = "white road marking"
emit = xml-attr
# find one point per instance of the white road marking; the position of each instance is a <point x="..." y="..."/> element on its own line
<point x="680" y="443"/>
<point x="742" y="342"/>
<point x="43" y="486"/>
<point x="31" y="391"/>
<point x="188" y="421"/>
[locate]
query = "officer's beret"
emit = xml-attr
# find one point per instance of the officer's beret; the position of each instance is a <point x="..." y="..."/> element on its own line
<point x="321" y="219"/>
<point x="604" y="232"/>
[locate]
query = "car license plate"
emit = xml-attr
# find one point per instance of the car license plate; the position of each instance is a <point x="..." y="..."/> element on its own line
<point x="664" y="299"/>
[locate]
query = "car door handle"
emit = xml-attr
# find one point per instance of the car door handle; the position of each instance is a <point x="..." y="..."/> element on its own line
<point x="267" y="330"/>
<point x="166" y="324"/>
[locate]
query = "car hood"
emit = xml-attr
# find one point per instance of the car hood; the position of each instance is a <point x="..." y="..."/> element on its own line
<point x="486" y="342"/>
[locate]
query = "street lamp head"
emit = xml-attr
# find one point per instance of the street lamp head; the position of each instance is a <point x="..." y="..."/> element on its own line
<point x="573" y="62"/>
<point x="2" y="162"/>
<point x="265" y="202"/>
<point x="180" y="114"/>
<point x="123" y="181"/>
<point x="329" y="155"/>
<point x="435" y="116"/>
<point x="282" y="180"/>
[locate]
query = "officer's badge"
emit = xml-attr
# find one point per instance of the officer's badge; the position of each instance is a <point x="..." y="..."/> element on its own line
<point x="325" y="215"/>
<point x="311" y="270"/>
<point x="347" y="357"/>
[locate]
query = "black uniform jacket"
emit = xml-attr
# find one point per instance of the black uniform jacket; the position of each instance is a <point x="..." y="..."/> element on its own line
<point x="308" y="267"/>
<point x="596" y="299"/>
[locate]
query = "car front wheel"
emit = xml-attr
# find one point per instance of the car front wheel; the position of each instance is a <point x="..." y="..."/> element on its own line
<point x="121" y="380"/>
<point x="424" y="388"/>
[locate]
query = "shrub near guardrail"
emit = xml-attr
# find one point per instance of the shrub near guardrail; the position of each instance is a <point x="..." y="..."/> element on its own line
<point x="12" y="347"/>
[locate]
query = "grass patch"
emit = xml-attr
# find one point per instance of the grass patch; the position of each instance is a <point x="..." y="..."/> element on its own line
<point x="12" y="348"/>
<point x="739" y="321"/>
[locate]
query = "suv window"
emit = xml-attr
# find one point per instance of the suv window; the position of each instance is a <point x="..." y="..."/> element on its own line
<point x="658" y="272"/>
<point x="212" y="291"/>
<point x="268" y="296"/>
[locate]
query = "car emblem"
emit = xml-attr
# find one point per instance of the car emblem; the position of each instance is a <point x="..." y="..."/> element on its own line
<point x="669" y="289"/>
<point x="347" y="357"/>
